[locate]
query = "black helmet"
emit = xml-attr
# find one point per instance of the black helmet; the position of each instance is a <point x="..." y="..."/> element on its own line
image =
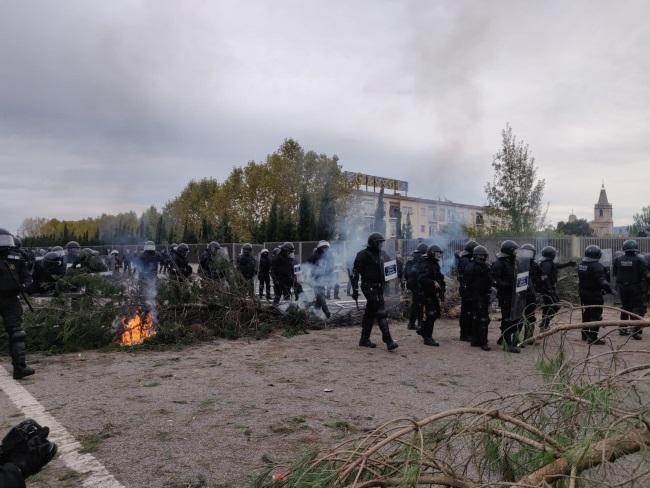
<point x="276" y="251"/>
<point x="72" y="245"/>
<point x="374" y="240"/>
<point x="530" y="247"/>
<point x="323" y="245"/>
<point x="434" y="251"/>
<point x="183" y="249"/>
<point x="58" y="249"/>
<point x="52" y="261"/>
<point x="469" y="248"/>
<point x="173" y="246"/>
<point x="18" y="242"/>
<point x="149" y="246"/>
<point x="549" y="252"/>
<point x="630" y="246"/>
<point x="480" y="254"/>
<point x="247" y="248"/>
<point x="592" y="254"/>
<point x="508" y="248"/>
<point x="214" y="246"/>
<point x="6" y="239"/>
<point x="422" y="248"/>
<point x="287" y="248"/>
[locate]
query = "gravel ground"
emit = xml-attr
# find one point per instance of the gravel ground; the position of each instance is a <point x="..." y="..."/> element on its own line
<point x="207" y="415"/>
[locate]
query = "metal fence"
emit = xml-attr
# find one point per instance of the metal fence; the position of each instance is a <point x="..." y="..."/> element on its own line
<point x="345" y="251"/>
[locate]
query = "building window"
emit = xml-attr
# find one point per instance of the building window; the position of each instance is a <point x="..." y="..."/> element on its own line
<point x="601" y="212"/>
<point x="393" y="211"/>
<point x="422" y="229"/>
<point x="479" y="219"/>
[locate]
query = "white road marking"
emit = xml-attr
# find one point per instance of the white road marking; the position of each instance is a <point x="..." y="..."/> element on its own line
<point x="96" y="475"/>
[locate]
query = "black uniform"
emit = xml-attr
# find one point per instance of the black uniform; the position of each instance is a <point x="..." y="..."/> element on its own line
<point x="44" y="280"/>
<point x="285" y="278"/>
<point x="369" y="266"/>
<point x="212" y="265"/>
<point x="149" y="262"/>
<point x="632" y="277"/>
<point x="179" y="266"/>
<point x="264" y="275"/>
<point x="592" y="281"/>
<point x="465" y="319"/>
<point x="504" y="276"/>
<point x="530" y="311"/>
<point x="432" y="285"/>
<point x="14" y="277"/>
<point x="411" y="271"/>
<point x="548" y="289"/>
<point x="247" y="266"/>
<point x="478" y="282"/>
<point x="11" y="476"/>
<point x="400" y="272"/>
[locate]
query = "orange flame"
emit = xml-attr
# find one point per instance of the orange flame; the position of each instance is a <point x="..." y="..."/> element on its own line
<point x="136" y="329"/>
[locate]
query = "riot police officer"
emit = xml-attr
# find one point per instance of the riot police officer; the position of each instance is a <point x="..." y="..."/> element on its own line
<point x="369" y="266"/>
<point x="91" y="262"/>
<point x="73" y="254"/>
<point x="592" y="282"/>
<point x="264" y="274"/>
<point x="149" y="261"/>
<point x="47" y="272"/>
<point x="504" y="274"/>
<point x="432" y="285"/>
<point x="411" y="271"/>
<point x="247" y="266"/>
<point x="632" y="276"/>
<point x="283" y="272"/>
<point x="478" y="282"/>
<point x="212" y="263"/>
<point x="465" y="319"/>
<point x="319" y="273"/>
<point x="14" y="279"/>
<point x="548" y="287"/>
<point x="534" y="284"/>
<point x="180" y="268"/>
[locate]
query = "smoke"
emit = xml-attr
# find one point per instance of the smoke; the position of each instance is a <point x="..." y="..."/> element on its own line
<point x="150" y="295"/>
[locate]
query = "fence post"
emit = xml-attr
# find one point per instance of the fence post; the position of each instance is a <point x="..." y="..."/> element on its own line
<point x="575" y="246"/>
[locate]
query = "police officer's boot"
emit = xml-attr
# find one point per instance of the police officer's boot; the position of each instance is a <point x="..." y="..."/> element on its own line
<point x="510" y="339"/>
<point x="391" y="345"/>
<point x="366" y="329"/>
<point x="21" y="370"/>
<point x="365" y="342"/>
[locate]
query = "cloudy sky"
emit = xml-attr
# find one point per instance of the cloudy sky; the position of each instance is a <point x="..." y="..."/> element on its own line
<point x="112" y="106"/>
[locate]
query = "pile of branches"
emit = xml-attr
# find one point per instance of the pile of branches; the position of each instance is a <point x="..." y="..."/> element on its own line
<point x="588" y="425"/>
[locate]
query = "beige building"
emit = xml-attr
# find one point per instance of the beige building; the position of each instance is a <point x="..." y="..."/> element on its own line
<point x="428" y="217"/>
<point x="603" y="223"/>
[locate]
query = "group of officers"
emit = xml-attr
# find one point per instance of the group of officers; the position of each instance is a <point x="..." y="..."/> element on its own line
<point x="478" y="280"/>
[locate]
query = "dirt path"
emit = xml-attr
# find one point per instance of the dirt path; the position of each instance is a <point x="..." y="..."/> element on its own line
<point x="207" y="415"/>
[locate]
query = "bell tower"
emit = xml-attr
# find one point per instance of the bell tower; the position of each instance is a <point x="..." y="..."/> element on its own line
<point x="603" y="223"/>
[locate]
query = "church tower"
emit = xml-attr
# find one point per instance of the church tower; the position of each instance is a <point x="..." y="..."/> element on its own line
<point x="603" y="223"/>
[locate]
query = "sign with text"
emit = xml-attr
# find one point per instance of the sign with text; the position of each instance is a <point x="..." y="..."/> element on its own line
<point x="376" y="182"/>
<point x="390" y="270"/>
<point x="522" y="281"/>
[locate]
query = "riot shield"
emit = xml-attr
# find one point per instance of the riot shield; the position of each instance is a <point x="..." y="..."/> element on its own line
<point x="522" y="280"/>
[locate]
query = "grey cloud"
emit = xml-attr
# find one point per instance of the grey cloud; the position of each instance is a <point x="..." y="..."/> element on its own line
<point x="108" y="106"/>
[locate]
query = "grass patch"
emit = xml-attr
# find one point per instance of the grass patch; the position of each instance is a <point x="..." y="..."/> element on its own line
<point x="91" y="442"/>
<point x="289" y="426"/>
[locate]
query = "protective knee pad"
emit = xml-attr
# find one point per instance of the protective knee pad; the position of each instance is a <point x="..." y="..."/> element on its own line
<point x="18" y="335"/>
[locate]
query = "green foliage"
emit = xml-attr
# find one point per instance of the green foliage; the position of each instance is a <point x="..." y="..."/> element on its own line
<point x="578" y="228"/>
<point x="306" y="219"/>
<point x="641" y="225"/>
<point x="515" y="194"/>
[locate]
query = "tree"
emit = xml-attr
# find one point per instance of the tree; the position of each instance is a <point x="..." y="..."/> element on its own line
<point x="326" y="227"/>
<point x="579" y="227"/>
<point x="273" y="227"/>
<point x="515" y="193"/>
<point x="380" y="214"/>
<point x="306" y="219"/>
<point x="398" y="226"/>
<point x="225" y="231"/>
<point x="641" y="223"/>
<point x="408" y="228"/>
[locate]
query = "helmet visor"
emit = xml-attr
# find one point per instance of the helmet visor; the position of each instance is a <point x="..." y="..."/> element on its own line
<point x="7" y="240"/>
